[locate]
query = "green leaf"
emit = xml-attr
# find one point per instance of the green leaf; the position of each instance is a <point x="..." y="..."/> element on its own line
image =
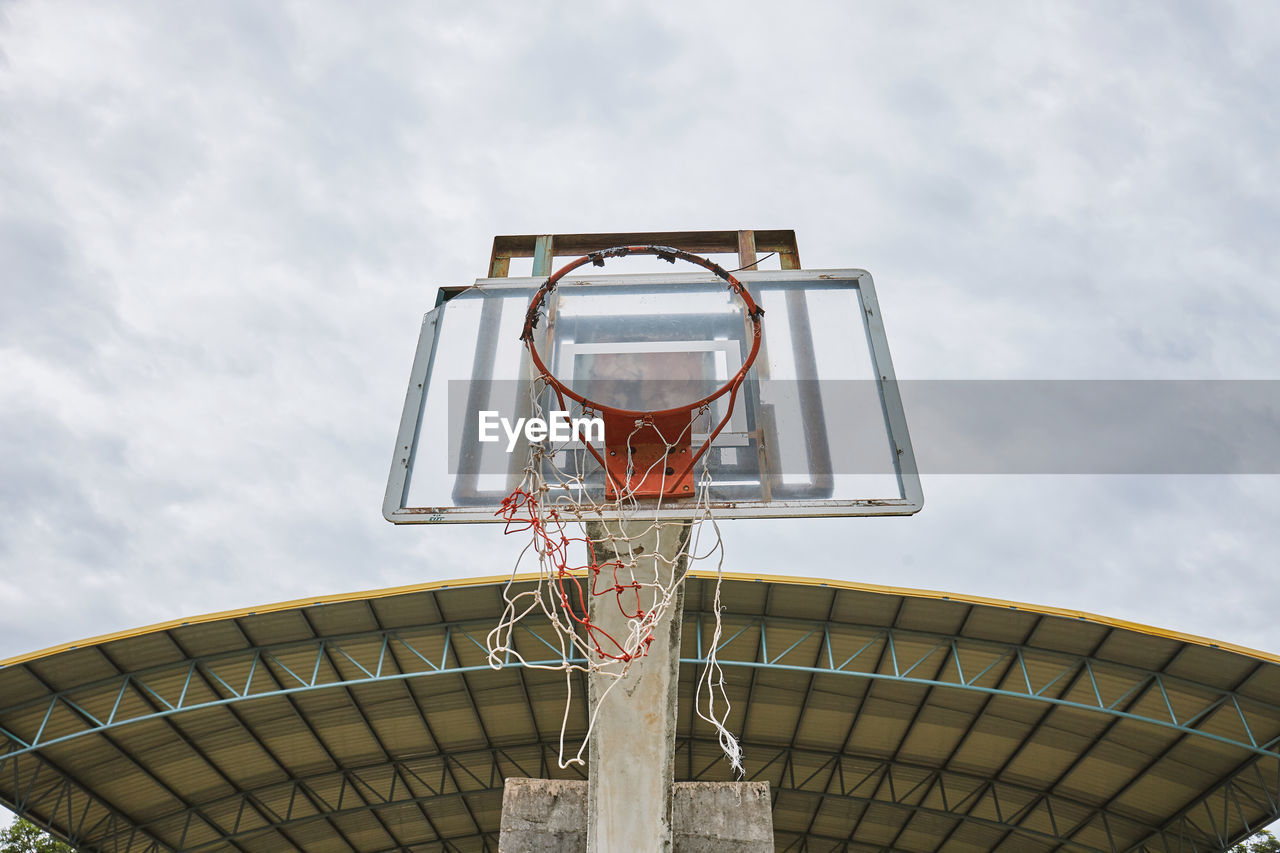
<point x="22" y="836"/>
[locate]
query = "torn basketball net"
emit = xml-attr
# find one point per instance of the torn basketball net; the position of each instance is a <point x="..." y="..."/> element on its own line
<point x="621" y="546"/>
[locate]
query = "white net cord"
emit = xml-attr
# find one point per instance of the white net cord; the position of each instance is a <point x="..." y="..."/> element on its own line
<point x="559" y="504"/>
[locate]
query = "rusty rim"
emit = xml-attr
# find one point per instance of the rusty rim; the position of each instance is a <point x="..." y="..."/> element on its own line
<point x="751" y="311"/>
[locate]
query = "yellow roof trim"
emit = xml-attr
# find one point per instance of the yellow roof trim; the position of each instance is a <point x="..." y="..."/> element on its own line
<point x="905" y="592"/>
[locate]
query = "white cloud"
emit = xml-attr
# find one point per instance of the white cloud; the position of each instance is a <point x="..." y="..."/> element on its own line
<point x="219" y="229"/>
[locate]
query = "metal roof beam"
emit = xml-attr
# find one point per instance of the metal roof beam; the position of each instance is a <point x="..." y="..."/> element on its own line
<point x="373" y="787"/>
<point x="1257" y="719"/>
<point x="916" y="808"/>
<point x="1188" y="826"/>
<point x="863" y="777"/>
<point x="27" y="795"/>
<point x="294" y="802"/>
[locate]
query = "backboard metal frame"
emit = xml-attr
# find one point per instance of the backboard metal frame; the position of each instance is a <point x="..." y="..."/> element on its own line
<point x="911" y="494"/>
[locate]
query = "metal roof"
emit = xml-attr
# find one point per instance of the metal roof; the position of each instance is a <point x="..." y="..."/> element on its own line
<point x="884" y="720"/>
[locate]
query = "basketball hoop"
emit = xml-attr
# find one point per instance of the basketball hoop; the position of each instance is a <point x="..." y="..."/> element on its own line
<point x="642" y="556"/>
<point x="648" y="454"/>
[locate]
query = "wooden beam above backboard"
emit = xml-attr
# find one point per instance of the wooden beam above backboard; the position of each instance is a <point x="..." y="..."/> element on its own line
<point x="547" y="246"/>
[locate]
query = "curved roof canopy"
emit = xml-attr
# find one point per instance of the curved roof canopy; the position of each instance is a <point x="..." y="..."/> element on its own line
<point x="883" y="719"/>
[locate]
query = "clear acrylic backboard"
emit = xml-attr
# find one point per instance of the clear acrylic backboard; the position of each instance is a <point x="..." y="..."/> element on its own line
<point x="817" y="429"/>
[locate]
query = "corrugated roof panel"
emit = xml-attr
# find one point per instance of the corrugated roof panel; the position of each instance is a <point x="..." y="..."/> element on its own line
<point x="1150" y="794"/>
<point x="1110" y="686"/>
<point x="772" y="714"/>
<point x="236" y="818"/>
<point x="855" y="649"/>
<point x="1000" y="803"/>
<point x="547" y="696"/>
<point x="745" y="599"/>
<point x="923" y="831"/>
<point x="407" y="611"/>
<point x="826" y="712"/>
<point x="1042" y="673"/>
<point x="340" y="726"/>
<point x="18" y="684"/>
<point x="274" y="628"/>
<point x="933" y="615"/>
<point x="903" y="694"/>
<point x="1000" y="625"/>
<point x="987" y="746"/>
<point x="287" y="735"/>
<point x="881" y="823"/>
<point x="1177" y="701"/>
<point x="229" y="676"/>
<point x="1045" y="756"/>
<point x="452" y="817"/>
<point x="195" y="833"/>
<point x="79" y="666"/>
<point x="1145" y="651"/>
<point x="1195" y="757"/>
<point x="347" y="617"/>
<point x="143" y="651"/>
<point x="916" y="656"/>
<point x="903" y="784"/>
<point x="1244" y="720"/>
<point x="856" y="607"/>
<point x="848" y="726"/>
<point x="831" y="824"/>
<point x="1051" y="817"/>
<point x="286" y="799"/>
<point x="47" y="721"/>
<point x="1211" y="667"/>
<point x="365" y="830"/>
<point x="969" y="837"/>
<point x="116" y="777"/>
<point x="461" y="604"/>
<point x="1014" y="714"/>
<point x="796" y="602"/>
<point x="879" y="727"/>
<point x="314" y="835"/>
<point x="935" y="735"/>
<point x="453" y="720"/>
<point x="964" y="701"/>
<point x="984" y="665"/>
<point x="202" y="639"/>
<point x="407" y="824"/>
<point x="503" y="711"/>
<point x="1101" y="773"/>
<point x="1069" y="636"/>
<point x="1102" y="833"/>
<point x="1018" y="843"/>
<point x="1263" y="685"/>
<point x="813" y="770"/>
<point x="356" y="659"/>
<point x="396" y="719"/>
<point x="419" y="650"/>
<point x="173" y="762"/>
<point x="1142" y="738"/>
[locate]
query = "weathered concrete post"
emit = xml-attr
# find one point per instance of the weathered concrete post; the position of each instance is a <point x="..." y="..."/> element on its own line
<point x="631" y="802"/>
<point x="632" y="750"/>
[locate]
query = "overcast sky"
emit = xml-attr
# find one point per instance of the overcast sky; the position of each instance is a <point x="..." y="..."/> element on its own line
<point x="220" y="224"/>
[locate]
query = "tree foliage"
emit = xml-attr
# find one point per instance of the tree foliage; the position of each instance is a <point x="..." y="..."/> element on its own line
<point x="1263" y="842"/>
<point x="23" y="836"/>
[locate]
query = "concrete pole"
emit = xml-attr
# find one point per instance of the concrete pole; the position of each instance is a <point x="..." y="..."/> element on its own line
<point x="631" y="760"/>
